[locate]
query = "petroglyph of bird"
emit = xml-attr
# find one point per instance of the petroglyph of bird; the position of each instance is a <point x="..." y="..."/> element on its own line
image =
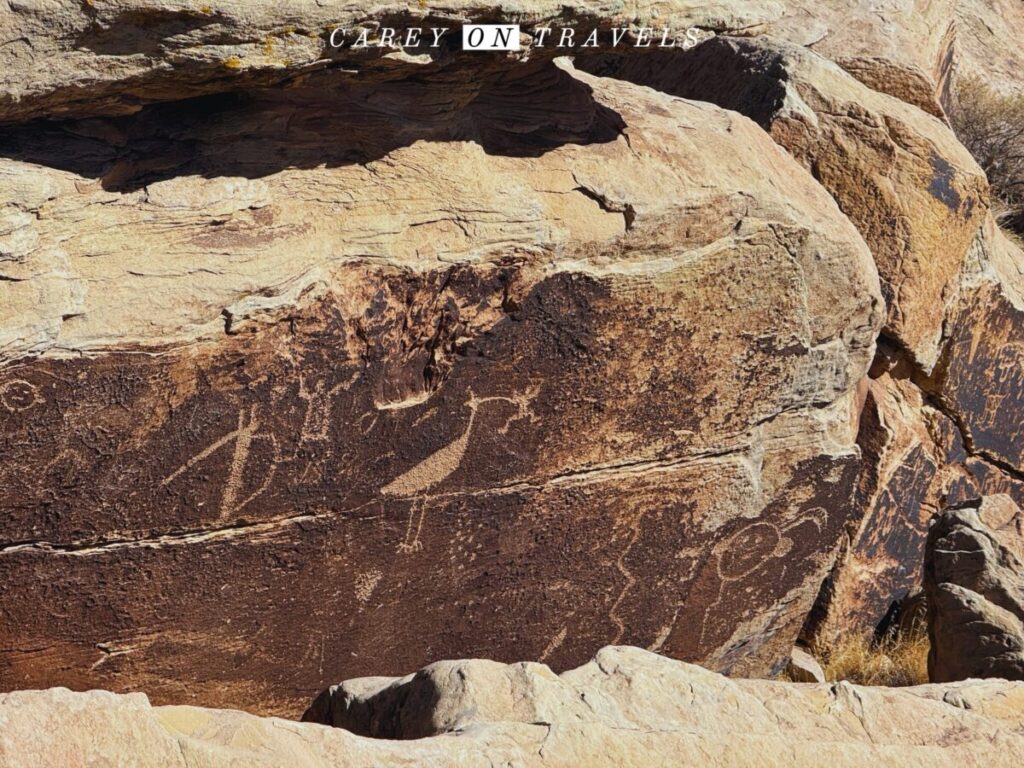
<point x="434" y="470"/>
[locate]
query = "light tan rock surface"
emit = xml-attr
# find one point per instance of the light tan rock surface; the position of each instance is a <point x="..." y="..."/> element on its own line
<point x="626" y="708"/>
<point x="913" y="191"/>
<point x="987" y="43"/>
<point x="145" y="233"/>
<point x="73" y="58"/>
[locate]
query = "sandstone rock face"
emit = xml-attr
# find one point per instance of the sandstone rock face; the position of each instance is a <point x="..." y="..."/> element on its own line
<point x="935" y="440"/>
<point x="69" y="58"/>
<point x="929" y="441"/>
<point x="943" y="401"/>
<point x="974" y="586"/>
<point x="313" y="382"/>
<point x="913" y="191"/>
<point x="625" y="708"/>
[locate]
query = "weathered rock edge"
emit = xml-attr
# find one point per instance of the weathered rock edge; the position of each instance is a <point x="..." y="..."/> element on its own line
<point x="974" y="588"/>
<point x="627" y="707"/>
<point x="75" y="59"/>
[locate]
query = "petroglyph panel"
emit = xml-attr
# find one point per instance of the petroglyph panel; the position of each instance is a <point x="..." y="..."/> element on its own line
<point x="226" y="510"/>
<point x="585" y="561"/>
<point x="290" y="420"/>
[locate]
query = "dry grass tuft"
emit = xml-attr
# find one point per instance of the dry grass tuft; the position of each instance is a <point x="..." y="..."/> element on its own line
<point x="894" y="661"/>
<point x="991" y="126"/>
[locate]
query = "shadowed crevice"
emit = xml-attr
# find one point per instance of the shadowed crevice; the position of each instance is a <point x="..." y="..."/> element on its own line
<point x="730" y="73"/>
<point x="326" y="121"/>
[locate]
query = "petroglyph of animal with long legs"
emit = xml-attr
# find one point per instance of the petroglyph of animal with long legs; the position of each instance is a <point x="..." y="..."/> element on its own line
<point x="439" y="466"/>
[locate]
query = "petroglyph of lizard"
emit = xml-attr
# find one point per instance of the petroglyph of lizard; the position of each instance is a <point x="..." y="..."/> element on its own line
<point x="109" y="651"/>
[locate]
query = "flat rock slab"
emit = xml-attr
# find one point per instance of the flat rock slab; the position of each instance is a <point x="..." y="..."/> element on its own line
<point x="627" y="707"/>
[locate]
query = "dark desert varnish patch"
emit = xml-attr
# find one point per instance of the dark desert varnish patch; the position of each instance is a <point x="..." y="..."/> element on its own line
<point x="341" y="495"/>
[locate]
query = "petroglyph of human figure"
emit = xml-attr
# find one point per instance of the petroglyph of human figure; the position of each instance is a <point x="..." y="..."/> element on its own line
<point x="243" y="437"/>
<point x="438" y="467"/>
<point x="319" y="404"/>
<point x="759" y="545"/>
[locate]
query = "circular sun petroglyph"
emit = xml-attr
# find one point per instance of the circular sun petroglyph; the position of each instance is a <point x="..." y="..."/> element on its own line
<point x="747" y="550"/>
<point x="19" y="395"/>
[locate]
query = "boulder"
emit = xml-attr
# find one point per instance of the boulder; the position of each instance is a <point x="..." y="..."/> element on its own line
<point x="907" y="616"/>
<point x="803" y="667"/>
<point x="625" y="708"/>
<point x="316" y="381"/>
<point x="974" y="586"/>
<point x="483" y="355"/>
<point x="943" y="400"/>
<point x="908" y="185"/>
